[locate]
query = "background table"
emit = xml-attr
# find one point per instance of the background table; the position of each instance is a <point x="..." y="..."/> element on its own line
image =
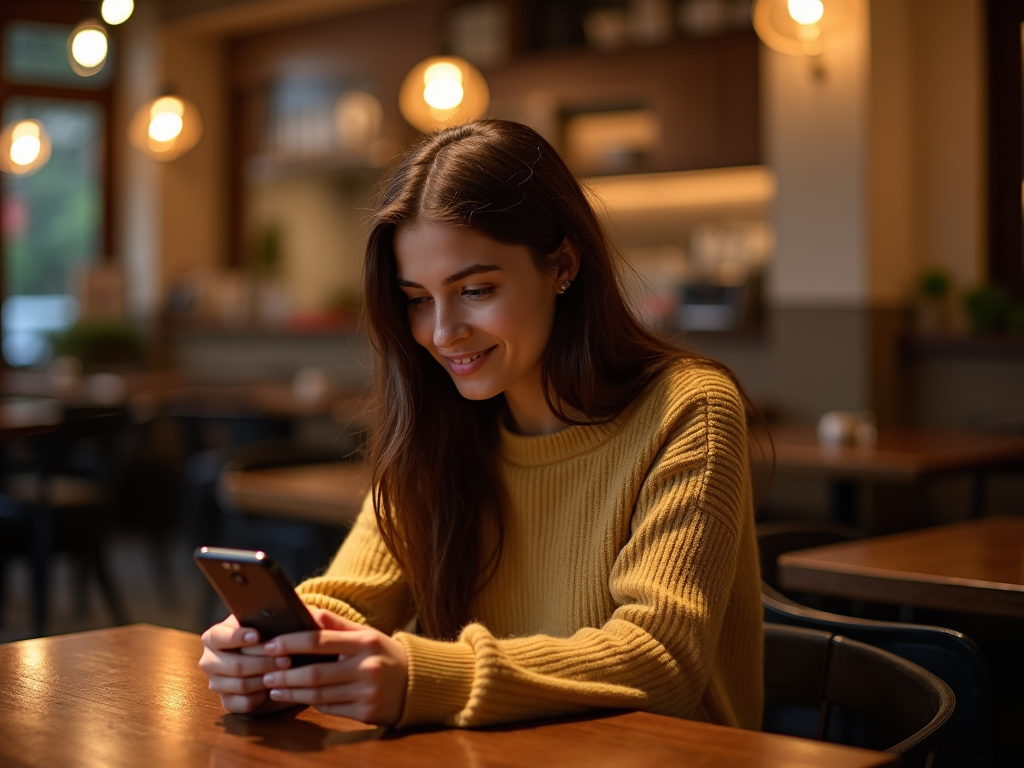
<point x="330" y="493"/>
<point x="22" y="416"/>
<point x="134" y="696"/>
<point x="976" y="566"/>
<point x="903" y="456"/>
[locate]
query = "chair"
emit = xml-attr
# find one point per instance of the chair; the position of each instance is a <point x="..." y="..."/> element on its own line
<point x="777" y="537"/>
<point x="58" y="497"/>
<point x="947" y="654"/>
<point x="828" y="687"/>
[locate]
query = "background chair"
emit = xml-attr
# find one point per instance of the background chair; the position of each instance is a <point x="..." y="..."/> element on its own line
<point x="57" y="498"/>
<point x="828" y="687"/>
<point x="777" y="537"/>
<point x="947" y="654"/>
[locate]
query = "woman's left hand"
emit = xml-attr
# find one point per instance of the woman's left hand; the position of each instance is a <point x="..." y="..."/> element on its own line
<point x="366" y="681"/>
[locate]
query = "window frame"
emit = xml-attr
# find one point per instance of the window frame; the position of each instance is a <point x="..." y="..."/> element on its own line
<point x="64" y="12"/>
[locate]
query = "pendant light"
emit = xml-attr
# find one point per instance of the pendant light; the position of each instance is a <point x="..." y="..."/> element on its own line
<point x="805" y="27"/>
<point x="88" y="46"/>
<point x="24" y="148"/>
<point x="116" y="12"/>
<point x="442" y="91"/>
<point x="166" y="127"/>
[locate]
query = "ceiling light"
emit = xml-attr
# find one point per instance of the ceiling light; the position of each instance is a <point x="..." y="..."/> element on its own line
<point x="87" y="48"/>
<point x="116" y="12"/>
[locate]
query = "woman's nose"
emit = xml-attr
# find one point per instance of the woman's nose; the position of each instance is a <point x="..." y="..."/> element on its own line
<point x="449" y="326"/>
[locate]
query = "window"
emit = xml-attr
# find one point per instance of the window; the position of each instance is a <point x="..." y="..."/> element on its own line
<point x="54" y="222"/>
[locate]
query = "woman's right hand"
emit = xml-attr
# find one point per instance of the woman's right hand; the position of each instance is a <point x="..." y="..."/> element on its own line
<point x="234" y="662"/>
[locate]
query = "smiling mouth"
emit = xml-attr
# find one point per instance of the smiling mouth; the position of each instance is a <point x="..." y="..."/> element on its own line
<point x="467" y="360"/>
<point x="462" y="365"/>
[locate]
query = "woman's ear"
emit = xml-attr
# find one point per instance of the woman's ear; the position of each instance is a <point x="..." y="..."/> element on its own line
<point x="568" y="260"/>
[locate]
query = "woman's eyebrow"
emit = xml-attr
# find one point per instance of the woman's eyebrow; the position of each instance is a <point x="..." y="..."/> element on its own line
<point x="473" y="269"/>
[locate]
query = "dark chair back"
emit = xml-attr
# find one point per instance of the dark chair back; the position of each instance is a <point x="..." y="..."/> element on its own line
<point x="777" y="537"/>
<point x="829" y="687"/>
<point x="948" y="654"/>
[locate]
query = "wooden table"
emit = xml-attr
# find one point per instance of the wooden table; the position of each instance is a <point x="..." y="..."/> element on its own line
<point x="976" y="566"/>
<point x="330" y="493"/>
<point x="22" y="416"/>
<point x="899" y="456"/>
<point x="134" y="696"/>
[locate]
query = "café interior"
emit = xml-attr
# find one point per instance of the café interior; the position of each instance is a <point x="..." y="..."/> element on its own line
<point x="830" y="205"/>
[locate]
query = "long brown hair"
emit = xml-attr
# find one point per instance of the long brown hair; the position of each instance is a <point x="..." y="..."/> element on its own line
<point x="436" y="478"/>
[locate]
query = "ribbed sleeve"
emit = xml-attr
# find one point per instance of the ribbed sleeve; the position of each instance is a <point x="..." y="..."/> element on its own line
<point x="629" y="577"/>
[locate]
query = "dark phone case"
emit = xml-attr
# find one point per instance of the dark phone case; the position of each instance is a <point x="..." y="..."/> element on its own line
<point x="258" y="593"/>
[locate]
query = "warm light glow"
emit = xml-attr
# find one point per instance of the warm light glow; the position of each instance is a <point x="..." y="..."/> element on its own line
<point x="806" y="11"/>
<point x="25" y="147"/>
<point x="166" y="127"/>
<point x="89" y="47"/>
<point x="808" y="33"/>
<point x="116" y="11"/>
<point x="806" y="27"/>
<point x="165" y="122"/>
<point x="442" y="86"/>
<point x="443" y="91"/>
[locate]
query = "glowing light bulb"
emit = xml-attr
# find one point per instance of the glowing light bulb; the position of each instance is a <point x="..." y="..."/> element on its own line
<point x="26" y="143"/>
<point x="116" y="11"/>
<point x="89" y="47"/>
<point x="165" y="119"/>
<point x="443" y="85"/>
<point x="806" y="11"/>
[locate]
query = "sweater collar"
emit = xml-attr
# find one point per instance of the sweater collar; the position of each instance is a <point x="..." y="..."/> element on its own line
<point x="541" y="450"/>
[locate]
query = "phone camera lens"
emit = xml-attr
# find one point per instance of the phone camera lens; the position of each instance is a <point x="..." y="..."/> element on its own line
<point x="266" y="614"/>
<point x="239" y="578"/>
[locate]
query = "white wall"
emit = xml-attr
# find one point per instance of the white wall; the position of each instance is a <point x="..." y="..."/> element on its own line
<point x="814" y="139"/>
<point x="136" y="239"/>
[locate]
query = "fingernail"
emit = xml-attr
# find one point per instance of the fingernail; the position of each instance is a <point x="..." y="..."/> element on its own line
<point x="276" y="695"/>
<point x="249" y="637"/>
<point x="269" y="679"/>
<point x="270" y="647"/>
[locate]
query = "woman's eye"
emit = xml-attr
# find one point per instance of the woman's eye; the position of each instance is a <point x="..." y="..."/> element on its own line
<point x="417" y="301"/>
<point x="476" y="293"/>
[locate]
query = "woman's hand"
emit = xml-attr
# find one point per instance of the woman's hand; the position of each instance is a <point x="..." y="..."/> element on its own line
<point x="234" y="661"/>
<point x="365" y="681"/>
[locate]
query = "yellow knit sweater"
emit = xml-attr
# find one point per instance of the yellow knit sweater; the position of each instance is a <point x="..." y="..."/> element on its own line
<point x="629" y="577"/>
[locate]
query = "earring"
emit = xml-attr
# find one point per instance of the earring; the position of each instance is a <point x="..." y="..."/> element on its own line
<point x="565" y="286"/>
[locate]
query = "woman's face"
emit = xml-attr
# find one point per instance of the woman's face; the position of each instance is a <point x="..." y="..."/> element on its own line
<point x="480" y="307"/>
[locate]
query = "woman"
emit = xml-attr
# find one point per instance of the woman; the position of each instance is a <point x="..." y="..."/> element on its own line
<point x="561" y="499"/>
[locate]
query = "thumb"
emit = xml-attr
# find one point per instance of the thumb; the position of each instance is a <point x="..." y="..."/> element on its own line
<point x="329" y="620"/>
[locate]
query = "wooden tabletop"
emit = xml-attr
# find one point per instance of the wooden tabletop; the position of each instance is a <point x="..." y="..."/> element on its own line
<point x="975" y="566"/>
<point x="330" y="493"/>
<point x="134" y="696"/>
<point x="898" y="455"/>
<point x="20" y="416"/>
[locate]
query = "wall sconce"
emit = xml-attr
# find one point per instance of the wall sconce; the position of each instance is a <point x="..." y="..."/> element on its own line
<point x="166" y="127"/>
<point x="24" y="148"/>
<point x="442" y="91"/>
<point x="87" y="48"/>
<point x="805" y="27"/>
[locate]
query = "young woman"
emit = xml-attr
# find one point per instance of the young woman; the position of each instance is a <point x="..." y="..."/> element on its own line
<point x="561" y="499"/>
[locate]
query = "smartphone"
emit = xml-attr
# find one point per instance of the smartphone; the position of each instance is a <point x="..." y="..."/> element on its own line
<point x="258" y="593"/>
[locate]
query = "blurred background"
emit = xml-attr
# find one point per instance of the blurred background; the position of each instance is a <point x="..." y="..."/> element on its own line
<point x="831" y="206"/>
